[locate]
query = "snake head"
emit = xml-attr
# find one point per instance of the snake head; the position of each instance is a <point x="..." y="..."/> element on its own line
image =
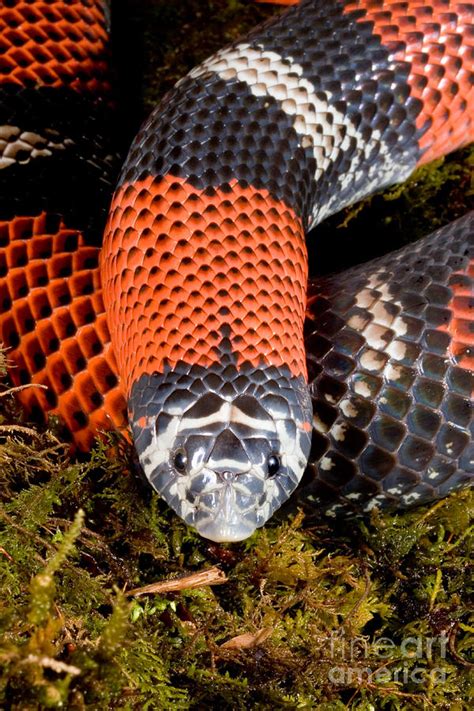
<point x="225" y="449"/>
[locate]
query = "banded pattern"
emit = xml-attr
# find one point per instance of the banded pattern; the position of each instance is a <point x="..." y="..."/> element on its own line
<point x="435" y="40"/>
<point x="187" y="265"/>
<point x="299" y="114"/>
<point x="58" y="163"/>
<point x="390" y="359"/>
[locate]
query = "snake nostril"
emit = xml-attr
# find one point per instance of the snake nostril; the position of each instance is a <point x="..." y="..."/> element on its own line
<point x="226" y="476"/>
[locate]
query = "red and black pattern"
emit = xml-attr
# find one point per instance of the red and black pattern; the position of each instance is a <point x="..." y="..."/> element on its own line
<point x="58" y="163"/>
<point x="204" y="264"/>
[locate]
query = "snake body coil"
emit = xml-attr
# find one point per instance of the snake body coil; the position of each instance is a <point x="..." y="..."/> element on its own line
<point x="204" y="266"/>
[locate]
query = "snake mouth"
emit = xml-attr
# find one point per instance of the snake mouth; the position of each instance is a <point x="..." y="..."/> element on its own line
<point x="225" y="507"/>
<point x="220" y="516"/>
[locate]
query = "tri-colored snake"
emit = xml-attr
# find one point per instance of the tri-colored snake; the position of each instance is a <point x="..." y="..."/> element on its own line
<point x="193" y="321"/>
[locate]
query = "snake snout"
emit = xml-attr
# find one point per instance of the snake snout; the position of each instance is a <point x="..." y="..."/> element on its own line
<point x="227" y="477"/>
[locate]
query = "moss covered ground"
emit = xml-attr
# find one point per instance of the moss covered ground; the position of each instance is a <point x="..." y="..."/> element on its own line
<point x="365" y="615"/>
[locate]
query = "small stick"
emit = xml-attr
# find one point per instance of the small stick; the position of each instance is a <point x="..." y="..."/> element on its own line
<point x="212" y="576"/>
<point x="19" y="388"/>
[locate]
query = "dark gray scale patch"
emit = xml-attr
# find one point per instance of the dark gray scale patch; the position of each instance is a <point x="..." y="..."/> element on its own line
<point x="457" y="410"/>
<point x="434" y="367"/>
<point x="227" y="446"/>
<point x="441" y="470"/>
<point x="428" y="392"/>
<point x="416" y="419"/>
<point x="246" y="431"/>
<point x="278" y="405"/>
<point x="337" y="365"/>
<point x="252" y="409"/>
<point x="363" y="487"/>
<point x="339" y="472"/>
<point x="350" y="441"/>
<point x="416" y="453"/>
<point x="466" y="461"/>
<point x="451" y="441"/>
<point x="424" y="422"/>
<point x="199" y="447"/>
<point x="204" y="407"/>
<point x="376" y="462"/>
<point x="387" y="432"/>
<point x="460" y="380"/>
<point x="436" y="341"/>
<point x="257" y="449"/>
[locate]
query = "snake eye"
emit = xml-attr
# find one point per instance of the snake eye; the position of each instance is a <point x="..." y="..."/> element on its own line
<point x="273" y="464"/>
<point x="180" y="460"/>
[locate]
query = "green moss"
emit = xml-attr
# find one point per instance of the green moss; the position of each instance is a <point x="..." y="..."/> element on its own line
<point x="359" y="615"/>
<point x="316" y="614"/>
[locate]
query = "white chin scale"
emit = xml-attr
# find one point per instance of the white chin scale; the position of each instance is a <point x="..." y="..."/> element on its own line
<point x="226" y="523"/>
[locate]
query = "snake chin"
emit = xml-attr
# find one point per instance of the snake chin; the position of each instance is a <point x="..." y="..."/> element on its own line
<point x="226" y="506"/>
<point x="225" y="460"/>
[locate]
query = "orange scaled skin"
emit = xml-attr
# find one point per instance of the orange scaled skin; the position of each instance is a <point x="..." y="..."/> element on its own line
<point x="56" y="44"/>
<point x="179" y="265"/>
<point x="427" y="36"/>
<point x="64" y="352"/>
<point x="49" y="293"/>
<point x="460" y="327"/>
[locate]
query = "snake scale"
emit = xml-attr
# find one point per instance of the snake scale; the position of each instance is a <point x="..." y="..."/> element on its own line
<point x="194" y="321"/>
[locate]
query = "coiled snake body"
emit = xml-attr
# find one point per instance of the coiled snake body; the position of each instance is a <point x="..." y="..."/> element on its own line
<point x="202" y="283"/>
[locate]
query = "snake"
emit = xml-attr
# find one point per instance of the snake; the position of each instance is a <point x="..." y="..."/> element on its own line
<point x="191" y="326"/>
